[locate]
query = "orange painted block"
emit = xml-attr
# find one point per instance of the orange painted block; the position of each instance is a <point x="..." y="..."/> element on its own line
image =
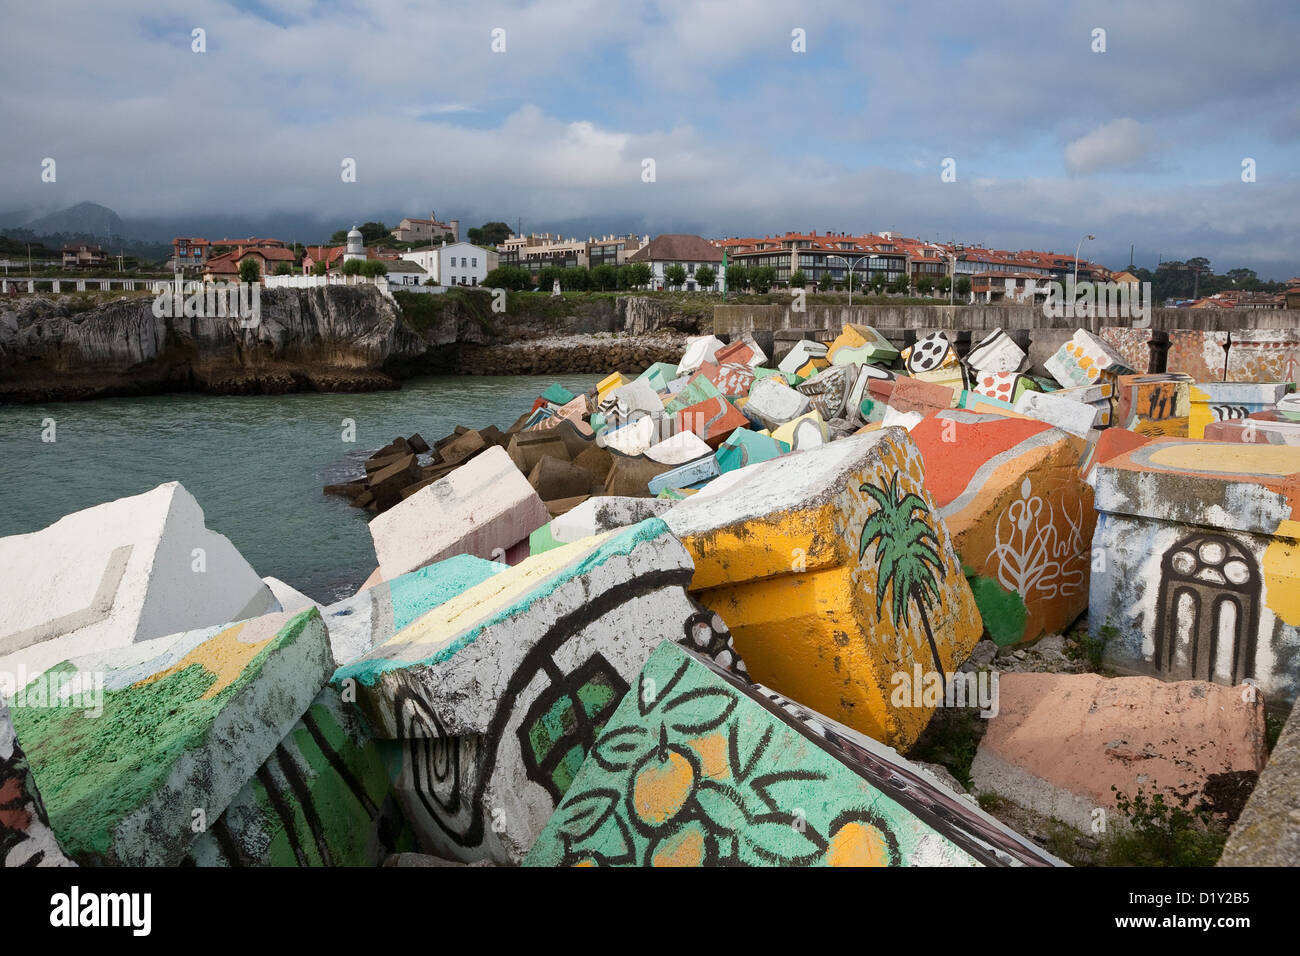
<point x="712" y="419"/>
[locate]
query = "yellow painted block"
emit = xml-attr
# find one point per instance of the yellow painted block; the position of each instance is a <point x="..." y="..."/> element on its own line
<point x="792" y="430"/>
<point x="1199" y="413"/>
<point x="608" y="384"/>
<point x="949" y="375"/>
<point x="812" y="367"/>
<point x="792" y="560"/>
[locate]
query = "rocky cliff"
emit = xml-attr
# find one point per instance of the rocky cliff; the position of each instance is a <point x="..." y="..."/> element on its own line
<point x="343" y="338"/>
<point x="340" y="339"/>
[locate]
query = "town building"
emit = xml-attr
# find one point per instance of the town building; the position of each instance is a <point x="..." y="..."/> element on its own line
<point x="537" y="251"/>
<point x="269" y="254"/>
<point x="403" y="272"/>
<point x="454" y="263"/>
<point x="427" y="230"/>
<point x="82" y="255"/>
<point x="188" y="252"/>
<point x="689" y="252"/>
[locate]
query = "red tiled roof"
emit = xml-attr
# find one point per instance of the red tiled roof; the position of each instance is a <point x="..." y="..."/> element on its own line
<point x="677" y="247"/>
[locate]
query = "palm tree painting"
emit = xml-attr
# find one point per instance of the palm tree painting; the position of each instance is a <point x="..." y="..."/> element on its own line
<point x="907" y="549"/>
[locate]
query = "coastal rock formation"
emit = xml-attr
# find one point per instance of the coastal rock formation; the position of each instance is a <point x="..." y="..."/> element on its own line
<point x="337" y="339"/>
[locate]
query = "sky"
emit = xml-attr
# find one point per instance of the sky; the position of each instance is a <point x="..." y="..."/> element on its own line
<point x="759" y="116"/>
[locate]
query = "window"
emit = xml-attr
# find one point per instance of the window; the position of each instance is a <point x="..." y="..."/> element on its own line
<point x="474" y="262"/>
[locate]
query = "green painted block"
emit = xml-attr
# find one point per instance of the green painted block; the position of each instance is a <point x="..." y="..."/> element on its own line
<point x="186" y="721"/>
<point x="558" y="395"/>
<point x="542" y="540"/>
<point x="659" y="375"/>
<point x="697" y="768"/>
<point x="698" y="389"/>
<point x="324" y="798"/>
<point x="747" y="447"/>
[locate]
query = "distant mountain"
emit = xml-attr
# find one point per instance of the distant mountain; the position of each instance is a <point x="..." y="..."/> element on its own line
<point x="83" y="219"/>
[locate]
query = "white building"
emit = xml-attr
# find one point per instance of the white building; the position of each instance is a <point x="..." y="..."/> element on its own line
<point x="454" y="263"/>
<point x="689" y="252"/>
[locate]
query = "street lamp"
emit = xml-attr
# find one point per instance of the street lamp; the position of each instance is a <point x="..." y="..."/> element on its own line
<point x="1089" y="236"/>
<point x="851" y="268"/>
<point x="952" y="280"/>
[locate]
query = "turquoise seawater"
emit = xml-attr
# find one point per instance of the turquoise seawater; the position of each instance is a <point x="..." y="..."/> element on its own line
<point x="256" y="464"/>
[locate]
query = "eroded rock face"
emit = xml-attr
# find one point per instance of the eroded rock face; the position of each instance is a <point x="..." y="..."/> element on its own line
<point x="337" y="339"/>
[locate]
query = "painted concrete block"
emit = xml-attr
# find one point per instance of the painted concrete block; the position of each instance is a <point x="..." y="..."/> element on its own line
<point x="482" y="508"/>
<point x="1020" y="515"/>
<point x="373" y="615"/>
<point x="1004" y="386"/>
<point x="799" y="356"/>
<point x="664" y="371"/>
<point x="861" y="406"/>
<point x="913" y="395"/>
<point x="834" y="572"/>
<point x="810" y="368"/>
<point x="1154" y="404"/>
<point x="1201" y="576"/>
<point x="634" y="438"/>
<point x="712" y="419"/>
<point x="1252" y="430"/>
<point x="828" y="391"/>
<point x="745" y="447"/>
<point x="933" y="352"/>
<point x="1133" y="344"/>
<point x="1070" y="416"/>
<point x="805" y="432"/>
<point x="996" y="352"/>
<point x="541" y="540"/>
<point x="1061" y="741"/>
<point x="1084" y="360"/>
<point x="697" y="769"/>
<point x="557" y="394"/>
<point x="573" y="411"/>
<point x="861" y="345"/>
<point x="686" y="476"/>
<point x="758" y="356"/>
<point x="607" y="385"/>
<point x="498" y="694"/>
<point x="1202" y="355"/>
<point x="952" y="376"/>
<point x="323" y="798"/>
<point x="734" y="379"/>
<point x="605" y="513"/>
<point x="186" y="721"/>
<point x="122" y="572"/>
<point x="287" y="598"/>
<point x="1264" y="355"/>
<point x="25" y="835"/>
<point x="698" y="389"/>
<point x="1229" y="401"/>
<point x="699" y="349"/>
<point x="679" y="449"/>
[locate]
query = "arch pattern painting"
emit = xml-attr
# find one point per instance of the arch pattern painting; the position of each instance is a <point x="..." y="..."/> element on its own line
<point x="1207" y="615"/>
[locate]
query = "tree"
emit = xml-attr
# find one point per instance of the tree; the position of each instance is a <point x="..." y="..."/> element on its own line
<point x="374" y="268"/>
<point x="762" y="278"/>
<point x="638" y="275"/>
<point x="284" y="269"/>
<point x="797" y="279"/>
<point x="945" y="283"/>
<point x="963" y="286"/>
<point x="924" y="284"/>
<point x="737" y="278"/>
<point x="899" y="284"/>
<point x="604" y="277"/>
<point x="318" y="268"/>
<point x="577" y="279"/>
<point x="352" y="267"/>
<point x="547" y="275"/>
<point x="878" y="282"/>
<point x="906" y="551"/>
<point x="674" y="275"/>
<point x="514" y="278"/>
<point x="490" y="234"/>
<point x="249" y="270"/>
<point x="705" y="276"/>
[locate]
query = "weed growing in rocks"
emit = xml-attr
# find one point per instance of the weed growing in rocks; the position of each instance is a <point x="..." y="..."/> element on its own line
<point x="951" y="740"/>
<point x="1160" y="834"/>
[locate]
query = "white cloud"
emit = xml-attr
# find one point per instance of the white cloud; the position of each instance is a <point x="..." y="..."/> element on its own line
<point x="1120" y="144"/>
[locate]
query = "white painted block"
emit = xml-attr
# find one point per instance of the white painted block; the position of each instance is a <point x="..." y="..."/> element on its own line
<point x="482" y="508"/>
<point x="803" y="350"/>
<point x="125" y="571"/>
<point x="699" y="350"/>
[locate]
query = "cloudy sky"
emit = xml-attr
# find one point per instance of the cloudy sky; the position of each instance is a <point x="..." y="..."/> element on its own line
<point x="1142" y="143"/>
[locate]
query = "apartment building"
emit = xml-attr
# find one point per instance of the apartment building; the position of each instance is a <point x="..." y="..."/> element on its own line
<point x="454" y="263"/>
<point x="426" y="230"/>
